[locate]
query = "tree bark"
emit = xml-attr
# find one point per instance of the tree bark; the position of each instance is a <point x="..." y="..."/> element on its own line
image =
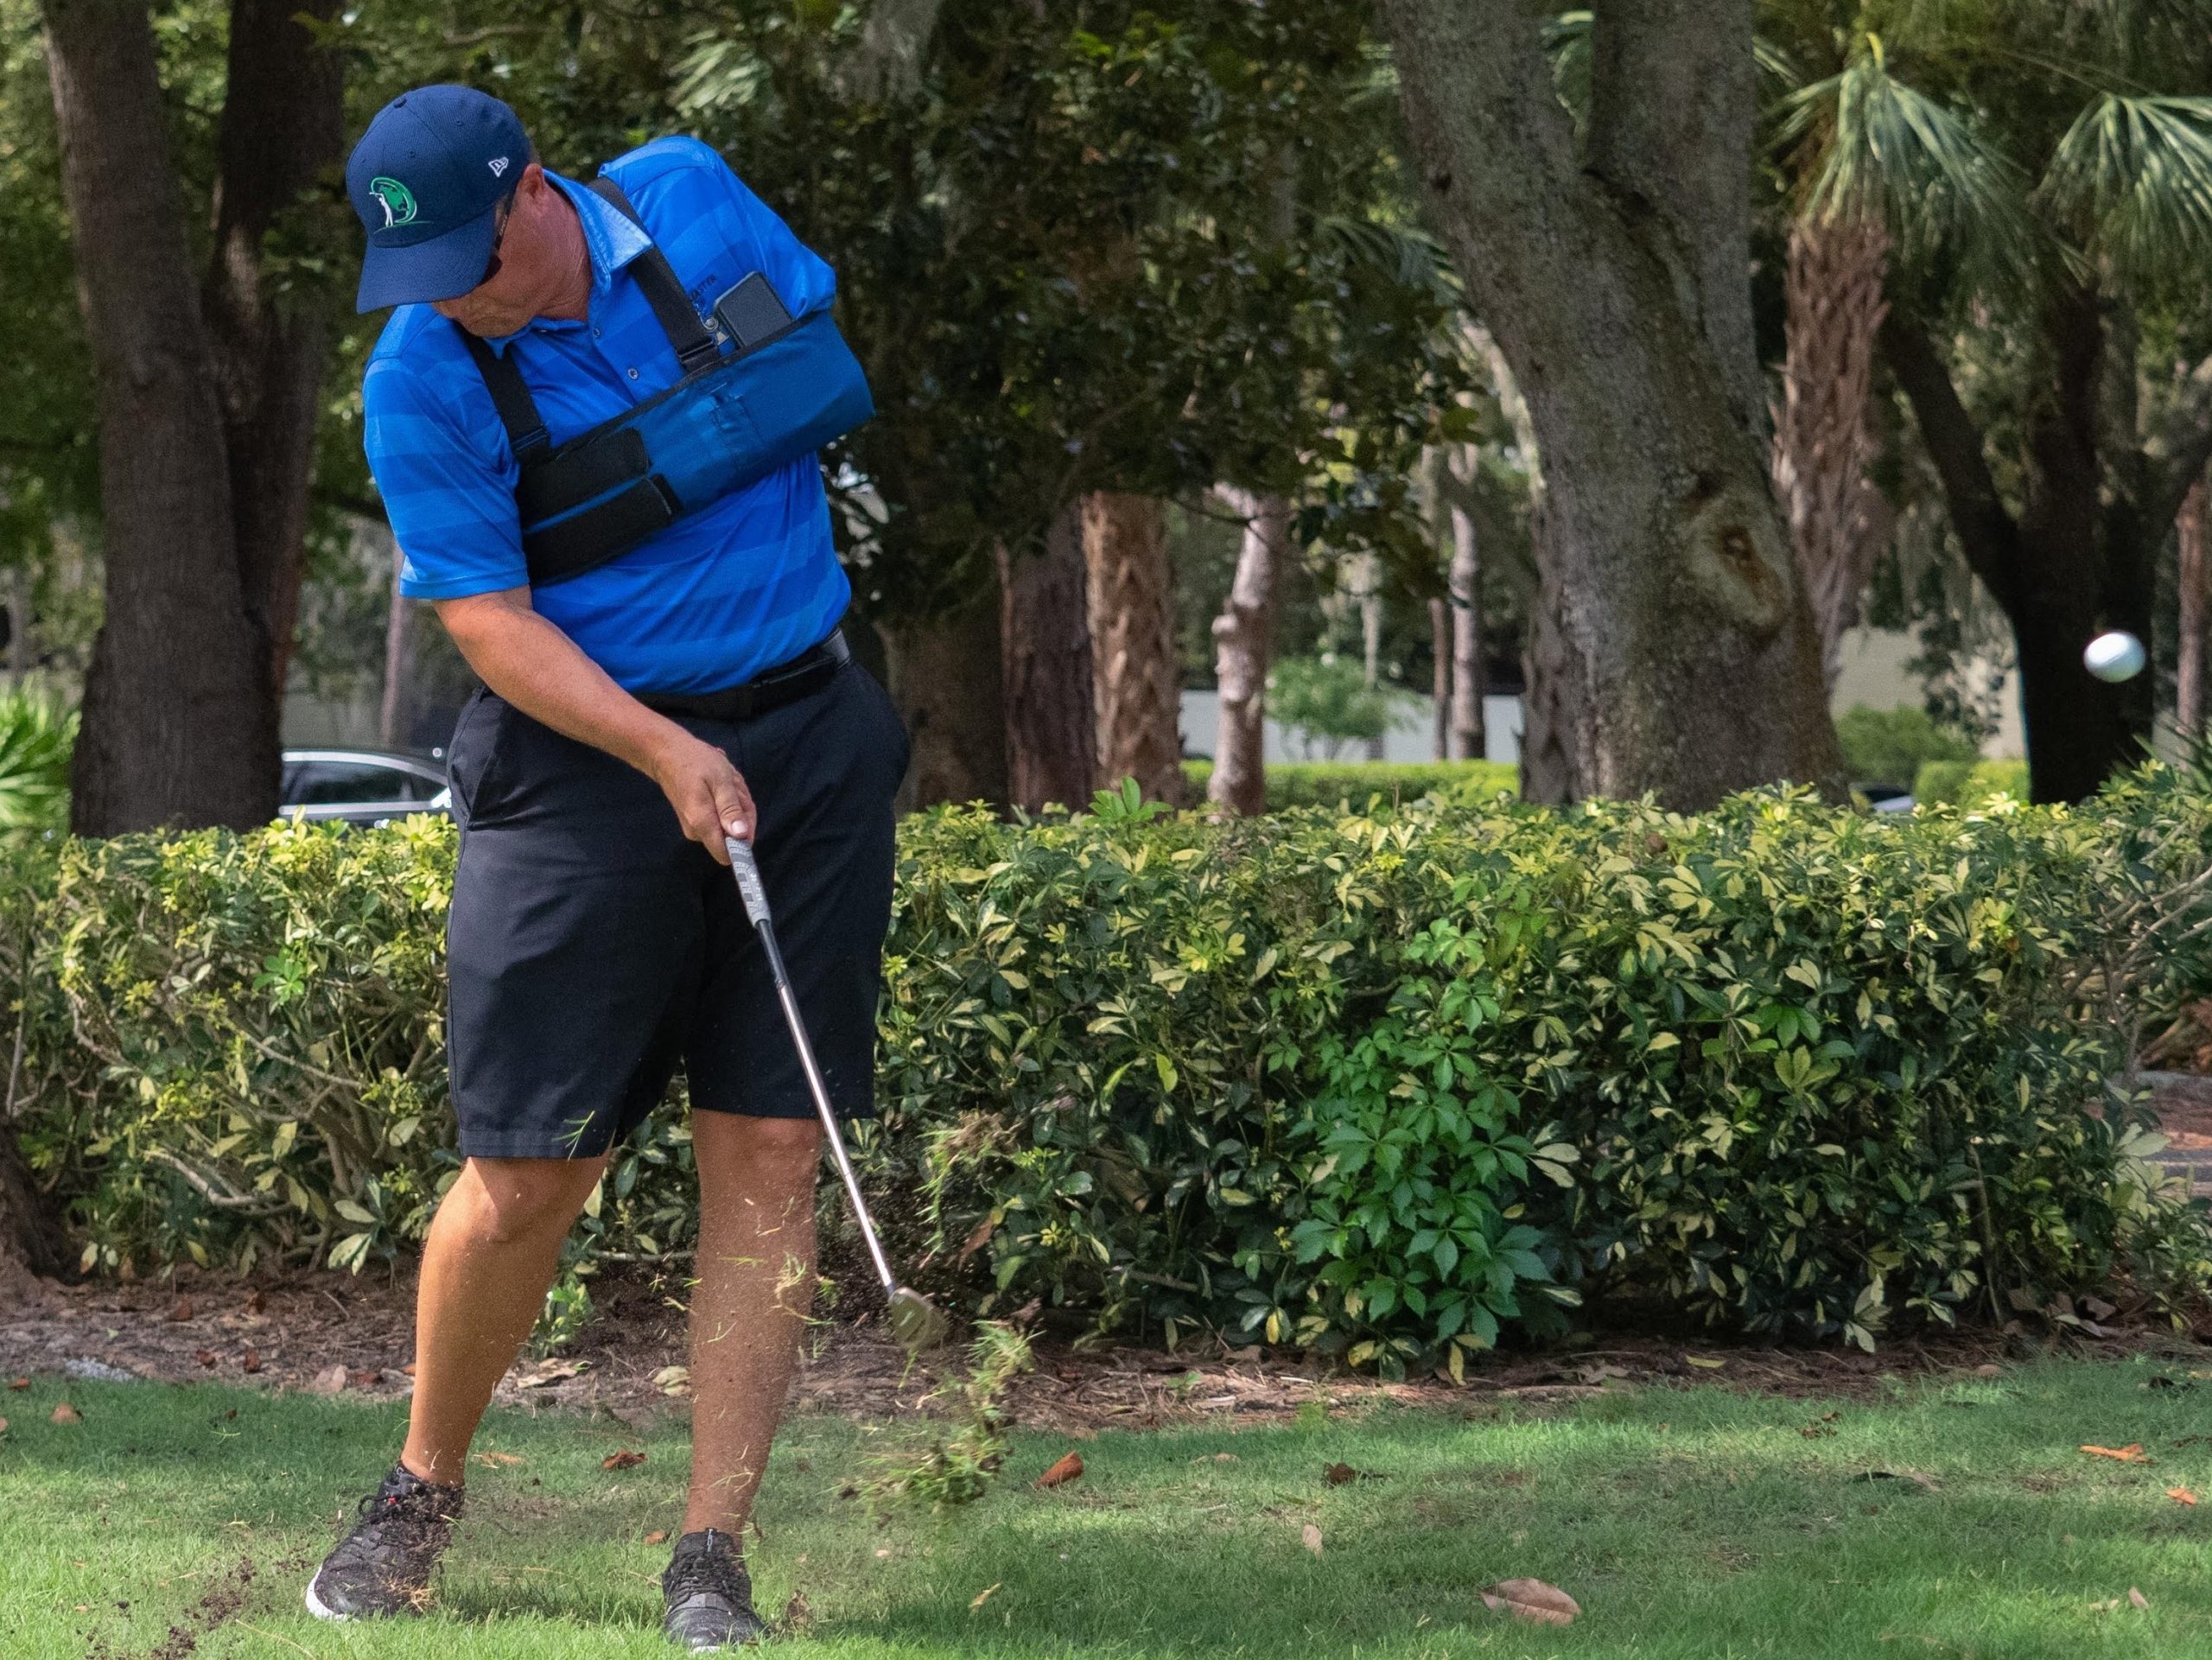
<point x="943" y="672"/>
<point x="1470" y="735"/>
<point x="175" y="722"/>
<point x="282" y="128"/>
<point x="1244" y="637"/>
<point x="1823" y="443"/>
<point x="1133" y="643"/>
<point x="1439" y="683"/>
<point x="1674" y="644"/>
<point x="2195" y="581"/>
<point x="1051" y="728"/>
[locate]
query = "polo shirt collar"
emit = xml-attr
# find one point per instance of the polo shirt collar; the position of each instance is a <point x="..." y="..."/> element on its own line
<point x="612" y="238"/>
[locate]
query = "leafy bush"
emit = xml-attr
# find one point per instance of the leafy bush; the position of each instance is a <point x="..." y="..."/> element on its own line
<point x="1889" y="746"/>
<point x="1969" y="783"/>
<point x="1356" y="783"/>
<point x="1387" y="1082"/>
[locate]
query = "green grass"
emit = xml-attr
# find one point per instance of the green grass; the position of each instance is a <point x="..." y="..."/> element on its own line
<point x="1689" y="1523"/>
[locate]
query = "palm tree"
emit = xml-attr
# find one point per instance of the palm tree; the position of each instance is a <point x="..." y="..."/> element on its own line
<point x="2042" y="173"/>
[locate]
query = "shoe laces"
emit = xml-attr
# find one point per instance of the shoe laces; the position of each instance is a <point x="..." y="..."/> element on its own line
<point x="712" y="1566"/>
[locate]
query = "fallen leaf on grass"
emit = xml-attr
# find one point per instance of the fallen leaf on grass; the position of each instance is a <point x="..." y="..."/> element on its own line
<point x="66" y="1414"/>
<point x="4" y="1426"/>
<point x="1695" y="1360"/>
<point x="493" y="1460"/>
<point x="983" y="1595"/>
<point x="1989" y="1369"/>
<point x="2180" y="1495"/>
<point x="1337" y="1475"/>
<point x="331" y="1380"/>
<point x="2131" y="1454"/>
<point x="1310" y="1536"/>
<point x="19" y="1382"/>
<point x="658" y="1536"/>
<point x="1068" y="1467"/>
<point x="625" y="1459"/>
<point x="252" y="1361"/>
<point x="2138" y="1598"/>
<point x="1533" y="1600"/>
<point x="798" y="1614"/>
<point x="180" y="1310"/>
<point x="673" y="1380"/>
<point x="550" y="1371"/>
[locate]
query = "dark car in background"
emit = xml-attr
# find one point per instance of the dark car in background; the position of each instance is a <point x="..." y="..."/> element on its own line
<point x="363" y="786"/>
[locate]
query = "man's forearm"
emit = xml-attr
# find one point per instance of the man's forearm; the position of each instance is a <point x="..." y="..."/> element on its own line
<point x="528" y="661"/>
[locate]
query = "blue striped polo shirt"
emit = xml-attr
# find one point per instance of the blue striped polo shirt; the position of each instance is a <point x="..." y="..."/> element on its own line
<point x="747" y="582"/>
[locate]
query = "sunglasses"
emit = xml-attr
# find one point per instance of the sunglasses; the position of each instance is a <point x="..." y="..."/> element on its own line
<point x="499" y="235"/>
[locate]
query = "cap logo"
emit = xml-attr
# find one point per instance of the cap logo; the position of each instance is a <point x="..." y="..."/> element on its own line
<point x="398" y="201"/>
<point x="498" y="166"/>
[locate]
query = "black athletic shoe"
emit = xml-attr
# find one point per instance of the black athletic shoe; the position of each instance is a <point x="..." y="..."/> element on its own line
<point x="383" y="1566"/>
<point x="709" y="1595"/>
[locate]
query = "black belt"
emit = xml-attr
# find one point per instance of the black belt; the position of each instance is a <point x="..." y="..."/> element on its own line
<point x="787" y="683"/>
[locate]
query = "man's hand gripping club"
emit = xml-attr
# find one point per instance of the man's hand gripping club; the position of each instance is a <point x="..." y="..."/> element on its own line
<point x="533" y="665"/>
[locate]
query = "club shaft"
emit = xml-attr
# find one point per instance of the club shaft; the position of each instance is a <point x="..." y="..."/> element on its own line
<point x="767" y="932"/>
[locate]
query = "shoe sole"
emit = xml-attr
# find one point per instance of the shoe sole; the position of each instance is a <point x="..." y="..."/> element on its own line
<point x="316" y="1606"/>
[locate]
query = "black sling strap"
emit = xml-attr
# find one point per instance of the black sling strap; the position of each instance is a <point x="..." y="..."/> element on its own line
<point x="695" y="344"/>
<point x="692" y="341"/>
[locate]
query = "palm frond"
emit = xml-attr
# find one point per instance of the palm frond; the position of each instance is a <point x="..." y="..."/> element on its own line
<point x="1865" y="142"/>
<point x="1567" y="42"/>
<point x="1408" y="256"/>
<point x="2134" y="178"/>
<point x="38" y="735"/>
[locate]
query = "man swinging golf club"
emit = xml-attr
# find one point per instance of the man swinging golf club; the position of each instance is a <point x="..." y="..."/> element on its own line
<point x="593" y="419"/>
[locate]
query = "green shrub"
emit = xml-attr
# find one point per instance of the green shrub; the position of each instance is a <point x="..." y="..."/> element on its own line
<point x="1387" y="1081"/>
<point x="1889" y="746"/>
<point x="1326" y="701"/>
<point x="1355" y="784"/>
<point x="1969" y="783"/>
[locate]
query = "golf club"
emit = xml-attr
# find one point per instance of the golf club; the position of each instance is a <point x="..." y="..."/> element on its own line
<point x="916" y="1322"/>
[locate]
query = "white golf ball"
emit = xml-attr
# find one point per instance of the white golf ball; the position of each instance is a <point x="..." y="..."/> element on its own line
<point x="2116" y="656"/>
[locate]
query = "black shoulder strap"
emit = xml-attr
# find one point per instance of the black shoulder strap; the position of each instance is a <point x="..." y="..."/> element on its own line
<point x="694" y="346"/>
<point x="526" y="433"/>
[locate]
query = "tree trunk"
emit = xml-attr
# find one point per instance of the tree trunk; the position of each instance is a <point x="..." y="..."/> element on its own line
<point x="1133" y="643"/>
<point x="1674" y="647"/>
<point x="2076" y="558"/>
<point x="1051" y="728"/>
<point x="1440" y="682"/>
<point x="1369" y="578"/>
<point x="19" y="626"/>
<point x="942" y="671"/>
<point x="2195" y="575"/>
<point x="1839" y="521"/>
<point x="1243" y="636"/>
<point x="282" y="127"/>
<point x="177" y="724"/>
<point x="394" y="716"/>
<point x="1470" y="736"/>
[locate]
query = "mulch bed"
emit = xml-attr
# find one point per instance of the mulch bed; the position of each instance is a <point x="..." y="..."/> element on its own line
<point x="334" y="1334"/>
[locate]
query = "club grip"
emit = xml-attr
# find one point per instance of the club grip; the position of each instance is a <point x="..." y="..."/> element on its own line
<point x="748" y="879"/>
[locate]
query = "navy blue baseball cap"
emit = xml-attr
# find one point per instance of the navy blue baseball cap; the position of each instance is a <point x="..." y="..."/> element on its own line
<point x="425" y="179"/>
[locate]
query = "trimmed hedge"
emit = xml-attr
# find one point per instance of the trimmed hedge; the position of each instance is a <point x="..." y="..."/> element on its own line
<point x="1355" y="784"/>
<point x="1389" y="1083"/>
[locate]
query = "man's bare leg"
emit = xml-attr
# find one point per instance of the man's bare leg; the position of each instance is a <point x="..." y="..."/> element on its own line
<point x="748" y="1309"/>
<point x="493" y="1247"/>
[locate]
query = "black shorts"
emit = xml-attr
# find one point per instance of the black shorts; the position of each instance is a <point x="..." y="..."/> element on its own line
<point x="592" y="945"/>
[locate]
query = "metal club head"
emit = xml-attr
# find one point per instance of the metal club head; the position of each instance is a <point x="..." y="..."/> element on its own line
<point x="916" y="1323"/>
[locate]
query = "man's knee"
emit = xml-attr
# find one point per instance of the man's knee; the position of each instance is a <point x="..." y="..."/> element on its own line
<point x="506" y="1200"/>
<point x="791" y="1145"/>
